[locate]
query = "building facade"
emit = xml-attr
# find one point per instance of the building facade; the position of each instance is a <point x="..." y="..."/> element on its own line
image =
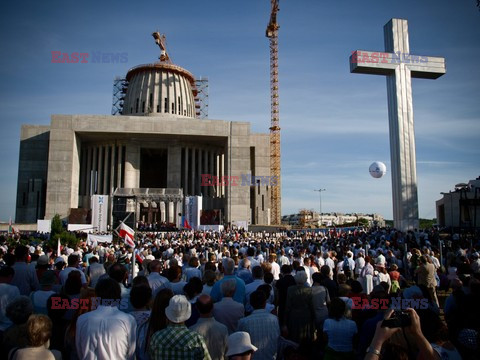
<point x="310" y="218"/>
<point x="157" y="148"/>
<point x="460" y="207"/>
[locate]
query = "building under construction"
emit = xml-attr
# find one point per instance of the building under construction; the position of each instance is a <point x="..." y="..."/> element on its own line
<point x="157" y="147"/>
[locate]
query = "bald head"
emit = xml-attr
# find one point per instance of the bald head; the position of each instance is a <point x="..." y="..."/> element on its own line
<point x="204" y="305"/>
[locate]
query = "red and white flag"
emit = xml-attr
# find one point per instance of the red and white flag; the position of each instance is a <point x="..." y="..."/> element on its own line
<point x="129" y="241"/>
<point x="127" y="233"/>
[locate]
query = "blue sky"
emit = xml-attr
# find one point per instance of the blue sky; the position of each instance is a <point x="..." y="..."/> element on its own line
<point x="334" y="124"/>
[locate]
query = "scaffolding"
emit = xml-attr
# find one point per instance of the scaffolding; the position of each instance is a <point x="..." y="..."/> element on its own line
<point x="200" y="92"/>
<point x="120" y="86"/>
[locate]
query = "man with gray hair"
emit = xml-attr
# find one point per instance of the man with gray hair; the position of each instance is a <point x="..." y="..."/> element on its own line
<point x="244" y="272"/>
<point x="156" y="281"/>
<point x="227" y="311"/>
<point x="228" y="269"/>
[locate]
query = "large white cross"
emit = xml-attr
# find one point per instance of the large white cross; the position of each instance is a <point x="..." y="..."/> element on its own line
<point x="400" y="66"/>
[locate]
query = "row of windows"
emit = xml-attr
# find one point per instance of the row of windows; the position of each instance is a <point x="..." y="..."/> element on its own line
<point x="186" y="112"/>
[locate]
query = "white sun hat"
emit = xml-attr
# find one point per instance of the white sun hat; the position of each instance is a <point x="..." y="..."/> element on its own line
<point x="178" y="309"/>
<point x="239" y="343"/>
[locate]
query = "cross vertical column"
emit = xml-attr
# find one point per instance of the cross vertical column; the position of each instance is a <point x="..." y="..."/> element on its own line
<point x="400" y="66"/>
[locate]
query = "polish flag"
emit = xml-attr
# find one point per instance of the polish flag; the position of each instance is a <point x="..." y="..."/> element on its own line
<point x="186" y="225"/>
<point x="127" y="233"/>
<point x="129" y="241"/>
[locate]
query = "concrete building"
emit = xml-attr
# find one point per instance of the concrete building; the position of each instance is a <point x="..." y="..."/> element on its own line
<point x="155" y="152"/>
<point x="460" y="207"/>
<point x="310" y="218"/>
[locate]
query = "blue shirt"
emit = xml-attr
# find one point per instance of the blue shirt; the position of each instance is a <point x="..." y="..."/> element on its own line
<point x="264" y="331"/>
<point x="239" y="296"/>
<point x="340" y="334"/>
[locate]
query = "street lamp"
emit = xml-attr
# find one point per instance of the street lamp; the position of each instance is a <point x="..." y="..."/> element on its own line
<point x="320" y="194"/>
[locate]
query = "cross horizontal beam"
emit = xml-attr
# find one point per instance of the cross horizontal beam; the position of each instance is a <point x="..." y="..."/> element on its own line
<point x="384" y="63"/>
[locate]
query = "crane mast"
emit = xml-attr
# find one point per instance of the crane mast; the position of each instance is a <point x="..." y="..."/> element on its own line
<point x="272" y="35"/>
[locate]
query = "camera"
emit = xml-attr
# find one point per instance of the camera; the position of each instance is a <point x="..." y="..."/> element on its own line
<point x="399" y="319"/>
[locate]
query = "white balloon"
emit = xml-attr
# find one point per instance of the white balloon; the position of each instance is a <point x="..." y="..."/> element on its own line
<point x="377" y="169"/>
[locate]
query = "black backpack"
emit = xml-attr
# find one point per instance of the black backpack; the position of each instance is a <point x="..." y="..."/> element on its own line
<point x="346" y="265"/>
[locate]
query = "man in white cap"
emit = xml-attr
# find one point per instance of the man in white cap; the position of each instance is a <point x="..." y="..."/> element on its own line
<point x="239" y="346"/>
<point x="176" y="341"/>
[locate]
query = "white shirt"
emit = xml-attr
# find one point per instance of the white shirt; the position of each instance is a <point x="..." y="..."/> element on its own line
<point x="283" y="260"/>
<point x="105" y="333"/>
<point x="320" y="261"/>
<point x="275" y="270"/>
<point x="309" y="275"/>
<point x="359" y="264"/>
<point x="330" y="263"/>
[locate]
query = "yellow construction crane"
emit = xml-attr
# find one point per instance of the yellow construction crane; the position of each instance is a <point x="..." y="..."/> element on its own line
<point x="272" y="35"/>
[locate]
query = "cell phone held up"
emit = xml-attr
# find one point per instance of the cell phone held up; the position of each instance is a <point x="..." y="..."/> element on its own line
<point x="399" y="319"/>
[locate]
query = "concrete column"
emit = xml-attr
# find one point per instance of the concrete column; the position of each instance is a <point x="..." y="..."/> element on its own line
<point x="211" y="172"/>
<point x="106" y="171"/>
<point x="204" y="171"/>
<point x="192" y="175"/>
<point x="94" y="172"/>
<point x="222" y="172"/>
<point x="174" y="171"/>
<point x="171" y="210"/>
<point x="119" y="165"/>
<point x="112" y="170"/>
<point x="100" y="173"/>
<point x="132" y="166"/>
<point x="162" y="211"/>
<point x="63" y="168"/>
<point x="185" y="173"/>
<point x="88" y="171"/>
<point x="198" y="171"/>
<point x="175" y="212"/>
<point x="83" y="166"/>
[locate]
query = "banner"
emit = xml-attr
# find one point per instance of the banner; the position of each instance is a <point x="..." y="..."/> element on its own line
<point x="44" y="226"/>
<point x="193" y="207"/>
<point x="100" y="212"/>
<point x="94" y="239"/>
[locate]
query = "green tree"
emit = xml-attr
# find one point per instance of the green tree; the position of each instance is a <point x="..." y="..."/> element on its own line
<point x="56" y="227"/>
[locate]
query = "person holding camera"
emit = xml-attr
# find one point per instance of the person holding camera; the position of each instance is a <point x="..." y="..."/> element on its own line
<point x="408" y="321"/>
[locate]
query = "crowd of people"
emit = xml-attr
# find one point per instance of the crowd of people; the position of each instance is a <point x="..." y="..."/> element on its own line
<point x="360" y="294"/>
